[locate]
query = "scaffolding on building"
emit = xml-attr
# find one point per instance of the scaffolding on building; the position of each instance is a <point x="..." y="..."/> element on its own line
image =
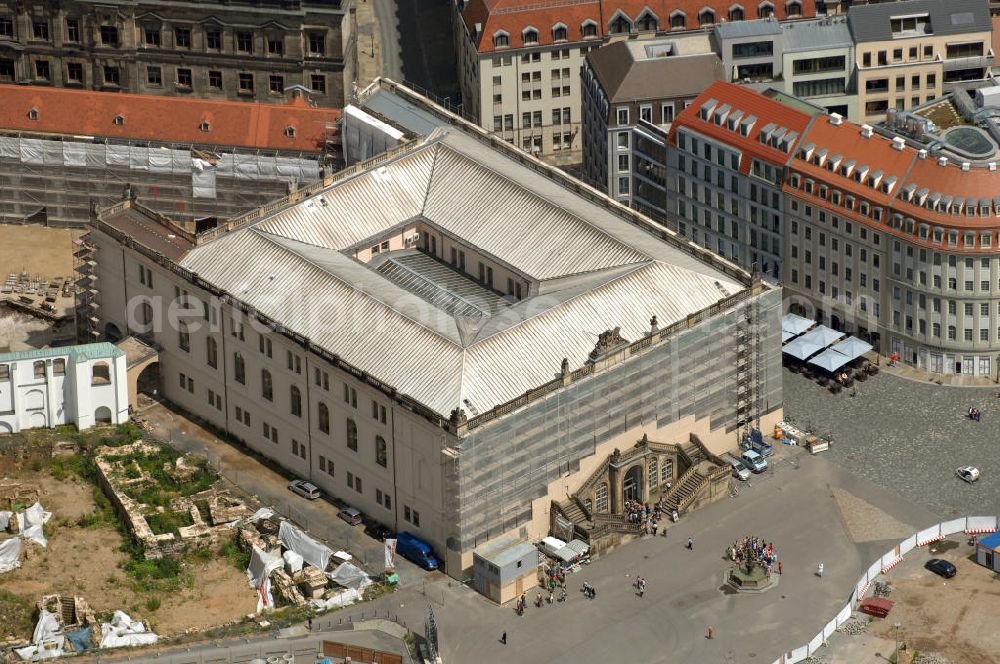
<point x="748" y="370"/>
<point x="88" y="300"/>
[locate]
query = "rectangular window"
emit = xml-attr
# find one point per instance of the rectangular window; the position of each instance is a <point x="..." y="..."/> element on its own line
<point x="275" y="44"/>
<point x="213" y="39"/>
<point x="244" y="42"/>
<point x="154" y="76"/>
<point x="276" y="84"/>
<point x="317" y="43"/>
<point x="112" y="76"/>
<point x="182" y="37"/>
<point x="151" y="35"/>
<point x="215" y="80"/>
<point x="183" y="77"/>
<point x="72" y="29"/>
<point x="40" y="29"/>
<point x="319" y="85"/>
<point x="246" y="82"/>
<point x="42" y="70"/>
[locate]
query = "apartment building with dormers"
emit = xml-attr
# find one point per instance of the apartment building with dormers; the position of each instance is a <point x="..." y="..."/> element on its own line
<point x="520" y="60"/>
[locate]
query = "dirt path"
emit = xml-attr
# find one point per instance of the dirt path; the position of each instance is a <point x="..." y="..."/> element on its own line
<point x="37" y="250"/>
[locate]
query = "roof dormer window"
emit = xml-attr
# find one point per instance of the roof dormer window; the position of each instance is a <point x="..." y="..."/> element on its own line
<point x="204" y="126"/>
<point x="589" y="29"/>
<point x="559" y="32"/>
<point x="620" y="25"/>
<point x="647" y="22"/>
<point x="290" y="131"/>
<point x="529" y="36"/>
<point x="501" y="40"/>
<point x="706" y="17"/>
<point x="119" y="120"/>
<point x="33" y="114"/>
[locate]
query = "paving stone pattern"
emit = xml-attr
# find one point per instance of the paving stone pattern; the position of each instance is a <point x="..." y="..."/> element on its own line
<point x="908" y="437"/>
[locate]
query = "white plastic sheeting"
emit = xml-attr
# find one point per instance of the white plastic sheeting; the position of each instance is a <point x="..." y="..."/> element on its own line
<point x="202" y="179"/>
<point x="74" y="154"/>
<point x="32" y="151"/>
<point x="350" y="575"/>
<point x="5" y="519"/>
<point x="293" y="561"/>
<point x="344" y="598"/>
<point x="30" y="523"/>
<point x="47" y="640"/>
<point x="10" y="554"/>
<point x="262" y="513"/>
<point x="259" y="572"/>
<point x="314" y="553"/>
<point x="123" y="631"/>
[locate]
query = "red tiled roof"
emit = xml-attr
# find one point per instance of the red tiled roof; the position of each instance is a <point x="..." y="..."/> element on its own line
<point x="165" y="119"/>
<point x="513" y="16"/>
<point x="766" y="110"/>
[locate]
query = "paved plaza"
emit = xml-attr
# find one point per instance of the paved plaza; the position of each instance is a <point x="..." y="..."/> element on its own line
<point x="908" y="437"/>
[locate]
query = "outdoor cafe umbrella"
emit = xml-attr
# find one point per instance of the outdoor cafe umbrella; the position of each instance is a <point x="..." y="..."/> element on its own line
<point x="802" y="348"/>
<point x="852" y="347"/>
<point x="795" y="324"/>
<point x="830" y="360"/>
<point x="822" y="335"/>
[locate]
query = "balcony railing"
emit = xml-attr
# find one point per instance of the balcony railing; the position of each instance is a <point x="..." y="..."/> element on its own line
<point x="973" y="62"/>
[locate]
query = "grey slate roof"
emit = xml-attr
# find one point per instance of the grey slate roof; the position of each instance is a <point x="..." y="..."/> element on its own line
<point x="948" y="17"/>
<point x="814" y="35"/>
<point x="597" y="271"/>
<point x="625" y="79"/>
<point x="756" y="28"/>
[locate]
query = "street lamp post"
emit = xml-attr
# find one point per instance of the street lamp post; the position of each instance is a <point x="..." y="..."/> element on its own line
<point x="897" y="643"/>
<point x="998" y="369"/>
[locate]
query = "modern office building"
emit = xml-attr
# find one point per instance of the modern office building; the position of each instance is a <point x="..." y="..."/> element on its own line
<point x="911" y="52"/>
<point x="891" y="231"/>
<point x="451" y="335"/>
<point x="77" y="385"/>
<point x="248" y="51"/>
<point x="631" y="94"/>
<point x="519" y="60"/>
<point x="64" y="151"/>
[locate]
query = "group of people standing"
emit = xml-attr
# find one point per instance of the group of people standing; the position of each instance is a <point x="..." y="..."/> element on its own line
<point x="974" y="413"/>
<point x="754" y="550"/>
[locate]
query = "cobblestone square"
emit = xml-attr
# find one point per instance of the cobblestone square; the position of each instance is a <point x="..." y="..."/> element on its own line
<point x="908" y="436"/>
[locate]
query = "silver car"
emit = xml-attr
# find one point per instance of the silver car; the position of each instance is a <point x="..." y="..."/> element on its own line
<point x="740" y="471"/>
<point x="304" y="489"/>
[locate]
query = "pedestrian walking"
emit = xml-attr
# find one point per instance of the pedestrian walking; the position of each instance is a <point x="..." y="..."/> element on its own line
<point x="779" y="568"/>
<point x="309" y="624"/>
<point x="819" y="570"/>
<point x="711" y="632"/>
<point x="690" y="543"/>
<point x="503" y="638"/>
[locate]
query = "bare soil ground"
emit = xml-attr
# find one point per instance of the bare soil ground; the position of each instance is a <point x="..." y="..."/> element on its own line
<point x="37" y="250"/>
<point x="86" y="561"/>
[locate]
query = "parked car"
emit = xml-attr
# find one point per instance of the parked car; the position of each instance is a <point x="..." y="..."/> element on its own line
<point x="304" y="489"/>
<point x="969" y="473"/>
<point x="754" y="461"/>
<point x="350" y="515"/>
<point x="416" y="550"/>
<point x="740" y="471"/>
<point x="941" y="567"/>
<point x="377" y="531"/>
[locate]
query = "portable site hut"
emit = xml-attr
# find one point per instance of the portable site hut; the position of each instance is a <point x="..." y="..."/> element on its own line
<point x="504" y="569"/>
<point x="988" y="552"/>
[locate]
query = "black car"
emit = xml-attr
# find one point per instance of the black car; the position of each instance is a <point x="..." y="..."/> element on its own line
<point x="941" y="567"/>
<point x="377" y="531"/>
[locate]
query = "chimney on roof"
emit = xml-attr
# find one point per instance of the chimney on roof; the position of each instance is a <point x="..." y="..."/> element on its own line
<point x="921" y="153"/>
<point x="866" y="131"/>
<point x="898" y="143"/>
<point x="942" y="161"/>
<point x="965" y="166"/>
<point x="836" y="119"/>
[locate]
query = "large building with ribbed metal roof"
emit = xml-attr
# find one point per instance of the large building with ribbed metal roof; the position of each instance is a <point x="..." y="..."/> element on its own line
<point x="452" y="336"/>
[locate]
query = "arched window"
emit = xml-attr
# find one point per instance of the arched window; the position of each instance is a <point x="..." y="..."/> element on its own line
<point x="793" y="9"/>
<point x="647" y="22"/>
<point x="736" y="13"/>
<point x="529" y="36"/>
<point x="296" y="401"/>
<point x="602" y="499"/>
<point x="589" y="30"/>
<point x="381" y="456"/>
<point x="653" y="474"/>
<point x="560" y="33"/>
<point x="765" y="9"/>
<point x="266" y="386"/>
<point x="39" y="367"/>
<point x="212" y="352"/>
<point x="620" y="25"/>
<point x="706" y="17"/>
<point x="678" y="21"/>
<point x="239" y="369"/>
<point x="100" y="373"/>
<point x="501" y="40"/>
<point x="324" y="418"/>
<point x="588" y="504"/>
<point x="352" y="435"/>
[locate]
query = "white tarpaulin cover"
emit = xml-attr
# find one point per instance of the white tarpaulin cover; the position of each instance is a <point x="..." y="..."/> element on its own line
<point x="30" y="523"/>
<point x="344" y="598"/>
<point x="259" y="572"/>
<point x="74" y="154"/>
<point x="10" y="554"/>
<point x="390" y="554"/>
<point x="262" y="513"/>
<point x="202" y="179"/>
<point x="47" y="641"/>
<point x="293" y="562"/>
<point x="350" y="575"/>
<point x="5" y="519"/>
<point x="123" y="631"/>
<point x="314" y="553"/>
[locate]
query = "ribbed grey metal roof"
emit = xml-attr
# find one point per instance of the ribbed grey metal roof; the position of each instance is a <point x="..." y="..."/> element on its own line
<point x="947" y="17"/>
<point x="596" y="272"/>
<point x="755" y="28"/>
<point x="831" y="32"/>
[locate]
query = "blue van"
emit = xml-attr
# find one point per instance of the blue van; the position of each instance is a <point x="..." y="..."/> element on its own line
<point x="412" y="548"/>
